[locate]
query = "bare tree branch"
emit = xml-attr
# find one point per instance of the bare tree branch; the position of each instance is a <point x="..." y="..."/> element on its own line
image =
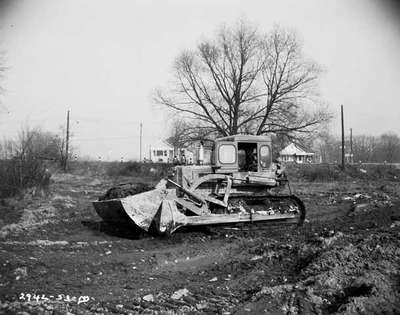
<point x="244" y="81"/>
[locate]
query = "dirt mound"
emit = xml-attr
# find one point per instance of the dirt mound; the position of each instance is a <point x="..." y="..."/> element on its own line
<point x="349" y="272"/>
<point x="353" y="278"/>
<point x="124" y="190"/>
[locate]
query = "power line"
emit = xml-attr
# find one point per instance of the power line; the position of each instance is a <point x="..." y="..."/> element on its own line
<point x="109" y="138"/>
<point x="100" y="139"/>
<point x="97" y="120"/>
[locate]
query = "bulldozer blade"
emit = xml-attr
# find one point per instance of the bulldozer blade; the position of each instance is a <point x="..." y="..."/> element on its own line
<point x="139" y="209"/>
<point x="169" y="218"/>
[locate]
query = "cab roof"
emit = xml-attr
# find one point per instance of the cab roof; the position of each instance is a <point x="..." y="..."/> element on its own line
<point x="246" y="138"/>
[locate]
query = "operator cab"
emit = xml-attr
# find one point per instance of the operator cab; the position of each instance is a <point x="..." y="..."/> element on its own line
<point x="243" y="153"/>
<point x="247" y="157"/>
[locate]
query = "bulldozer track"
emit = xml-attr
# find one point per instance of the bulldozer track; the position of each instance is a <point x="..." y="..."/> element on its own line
<point x="274" y="199"/>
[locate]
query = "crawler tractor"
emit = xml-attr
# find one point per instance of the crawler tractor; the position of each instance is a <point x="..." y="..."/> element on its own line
<point x="242" y="185"/>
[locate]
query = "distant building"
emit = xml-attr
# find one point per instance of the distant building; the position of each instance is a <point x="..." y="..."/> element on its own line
<point x="294" y="153"/>
<point x="349" y="157"/>
<point x="163" y="152"/>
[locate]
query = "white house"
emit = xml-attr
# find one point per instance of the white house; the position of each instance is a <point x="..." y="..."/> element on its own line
<point x="294" y="153"/>
<point x="163" y="152"/>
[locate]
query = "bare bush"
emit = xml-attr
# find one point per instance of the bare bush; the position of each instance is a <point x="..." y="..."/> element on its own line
<point x="22" y="162"/>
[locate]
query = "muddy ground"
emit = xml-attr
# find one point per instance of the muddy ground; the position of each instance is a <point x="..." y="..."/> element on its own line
<point x="57" y="257"/>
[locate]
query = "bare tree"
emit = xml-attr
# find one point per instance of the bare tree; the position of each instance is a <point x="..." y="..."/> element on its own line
<point x="244" y="82"/>
<point x="365" y="148"/>
<point x="178" y="137"/>
<point x="326" y="146"/>
<point x="389" y="147"/>
<point x="36" y="144"/>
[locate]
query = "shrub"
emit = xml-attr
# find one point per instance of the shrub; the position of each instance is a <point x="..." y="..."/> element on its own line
<point x="19" y="174"/>
<point x="314" y="172"/>
<point x="22" y="162"/>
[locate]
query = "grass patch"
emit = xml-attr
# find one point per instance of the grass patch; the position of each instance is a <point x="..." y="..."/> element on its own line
<point x="121" y="169"/>
<point x="330" y="172"/>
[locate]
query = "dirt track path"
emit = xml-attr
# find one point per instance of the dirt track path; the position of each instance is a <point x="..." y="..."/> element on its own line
<point x="59" y="247"/>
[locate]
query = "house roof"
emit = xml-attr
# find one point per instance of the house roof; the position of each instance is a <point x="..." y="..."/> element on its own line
<point x="161" y="145"/>
<point x="293" y="149"/>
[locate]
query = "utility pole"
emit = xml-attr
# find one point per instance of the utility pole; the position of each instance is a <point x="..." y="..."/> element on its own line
<point x="66" y="144"/>
<point x="150" y="152"/>
<point x="351" y="146"/>
<point x="140" y="151"/>
<point x="341" y="112"/>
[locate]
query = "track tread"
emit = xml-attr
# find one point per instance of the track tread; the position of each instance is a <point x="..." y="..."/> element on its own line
<point x="275" y="198"/>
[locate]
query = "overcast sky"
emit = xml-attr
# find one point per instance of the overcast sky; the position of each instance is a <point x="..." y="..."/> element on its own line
<point x="102" y="60"/>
